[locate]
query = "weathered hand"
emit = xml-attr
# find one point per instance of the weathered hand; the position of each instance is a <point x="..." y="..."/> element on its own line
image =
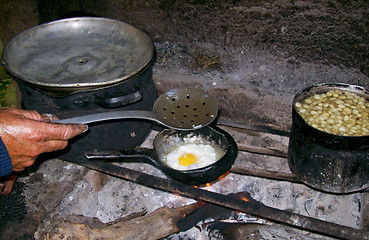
<point x="7" y="183"/>
<point x="27" y="134"/>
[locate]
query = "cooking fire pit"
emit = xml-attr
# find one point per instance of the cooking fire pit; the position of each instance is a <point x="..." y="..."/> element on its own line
<point x="110" y="206"/>
<point x="254" y="62"/>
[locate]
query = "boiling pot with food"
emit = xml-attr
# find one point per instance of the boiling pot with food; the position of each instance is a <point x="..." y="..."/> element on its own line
<point x="329" y="140"/>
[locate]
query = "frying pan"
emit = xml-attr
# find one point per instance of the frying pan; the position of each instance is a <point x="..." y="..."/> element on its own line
<point x="166" y="140"/>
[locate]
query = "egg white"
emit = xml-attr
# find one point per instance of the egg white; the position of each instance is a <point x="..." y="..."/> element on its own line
<point x="205" y="154"/>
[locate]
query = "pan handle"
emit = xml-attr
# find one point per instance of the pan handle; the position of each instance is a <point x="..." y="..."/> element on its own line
<point x="120" y="101"/>
<point x="143" y="155"/>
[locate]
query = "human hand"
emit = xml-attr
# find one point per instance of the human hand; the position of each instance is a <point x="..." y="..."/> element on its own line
<point x="27" y="134"/>
<point x="7" y="183"/>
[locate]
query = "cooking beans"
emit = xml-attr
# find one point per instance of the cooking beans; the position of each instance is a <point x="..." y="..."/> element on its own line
<point x="336" y="112"/>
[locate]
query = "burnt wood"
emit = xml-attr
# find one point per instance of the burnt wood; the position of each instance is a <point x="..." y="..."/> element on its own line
<point x="250" y="206"/>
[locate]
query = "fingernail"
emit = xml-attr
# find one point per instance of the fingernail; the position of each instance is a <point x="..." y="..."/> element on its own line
<point x="49" y="116"/>
<point x="86" y="129"/>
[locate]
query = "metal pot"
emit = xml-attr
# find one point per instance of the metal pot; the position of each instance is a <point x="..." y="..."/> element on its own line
<point x="328" y="162"/>
<point x="86" y="65"/>
<point x="164" y="141"/>
<point x="77" y="54"/>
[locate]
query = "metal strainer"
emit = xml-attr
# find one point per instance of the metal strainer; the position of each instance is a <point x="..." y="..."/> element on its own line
<point x="180" y="108"/>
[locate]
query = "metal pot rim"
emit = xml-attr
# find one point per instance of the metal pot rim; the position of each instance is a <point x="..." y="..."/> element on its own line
<point x="76" y="65"/>
<point x="324" y="87"/>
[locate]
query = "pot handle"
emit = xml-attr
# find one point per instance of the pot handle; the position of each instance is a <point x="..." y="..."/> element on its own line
<point x="115" y="102"/>
<point x="143" y="155"/>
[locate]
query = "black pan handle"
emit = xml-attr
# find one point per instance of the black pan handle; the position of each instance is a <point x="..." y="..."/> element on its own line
<point x="120" y="101"/>
<point x="143" y="155"/>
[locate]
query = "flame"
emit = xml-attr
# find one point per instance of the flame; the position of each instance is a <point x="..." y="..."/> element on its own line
<point x="245" y="199"/>
<point x="208" y="185"/>
<point x="223" y="176"/>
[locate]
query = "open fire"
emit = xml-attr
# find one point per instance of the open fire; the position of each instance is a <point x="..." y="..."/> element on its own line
<point x="253" y="62"/>
<point x="234" y="203"/>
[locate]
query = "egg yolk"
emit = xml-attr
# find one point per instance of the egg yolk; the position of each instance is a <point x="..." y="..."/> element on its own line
<point x="187" y="159"/>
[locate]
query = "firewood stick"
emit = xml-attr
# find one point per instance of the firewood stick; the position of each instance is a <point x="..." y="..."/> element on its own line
<point x="251" y="207"/>
<point x="156" y="225"/>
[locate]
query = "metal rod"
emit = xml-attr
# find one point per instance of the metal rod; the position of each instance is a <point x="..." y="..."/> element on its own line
<point x="266" y="174"/>
<point x="251" y="206"/>
<point x="262" y="150"/>
<point x="256" y="128"/>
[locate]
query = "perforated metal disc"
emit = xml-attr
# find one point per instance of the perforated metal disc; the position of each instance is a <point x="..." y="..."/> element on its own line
<point x="185" y="108"/>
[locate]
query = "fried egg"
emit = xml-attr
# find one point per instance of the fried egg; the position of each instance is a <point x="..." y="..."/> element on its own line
<point x="192" y="156"/>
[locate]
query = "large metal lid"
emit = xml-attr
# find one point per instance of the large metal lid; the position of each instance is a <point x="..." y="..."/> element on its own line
<point x="80" y="53"/>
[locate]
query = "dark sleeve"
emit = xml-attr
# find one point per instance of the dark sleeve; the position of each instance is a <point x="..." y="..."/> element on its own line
<point x="5" y="163"/>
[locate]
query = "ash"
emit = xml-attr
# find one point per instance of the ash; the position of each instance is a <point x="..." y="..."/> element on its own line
<point x="109" y="198"/>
